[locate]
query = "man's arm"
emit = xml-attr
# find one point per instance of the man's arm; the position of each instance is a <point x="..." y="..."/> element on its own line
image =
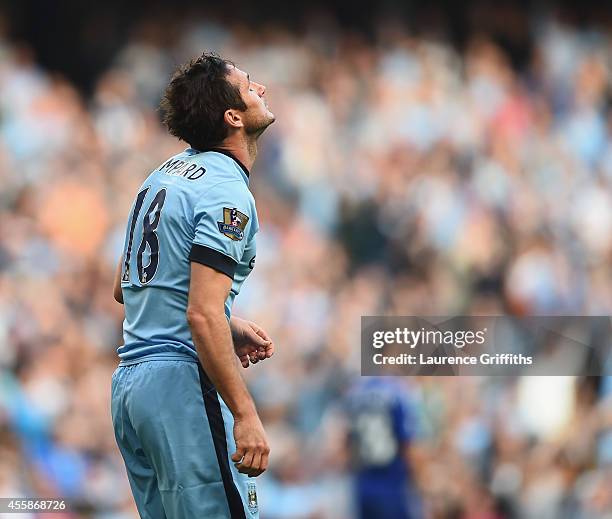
<point x="117" y="285"/>
<point x="208" y="291"/>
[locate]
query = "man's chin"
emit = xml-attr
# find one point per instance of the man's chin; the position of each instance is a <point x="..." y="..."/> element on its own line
<point x="261" y="127"/>
<point x="271" y="118"/>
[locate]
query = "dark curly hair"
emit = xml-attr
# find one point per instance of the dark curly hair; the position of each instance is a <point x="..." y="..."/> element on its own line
<point x="196" y="99"/>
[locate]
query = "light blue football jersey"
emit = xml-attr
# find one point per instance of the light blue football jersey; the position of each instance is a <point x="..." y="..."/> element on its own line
<point x="196" y="206"/>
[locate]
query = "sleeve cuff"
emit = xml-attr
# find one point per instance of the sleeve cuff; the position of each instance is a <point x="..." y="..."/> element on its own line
<point x="214" y="259"/>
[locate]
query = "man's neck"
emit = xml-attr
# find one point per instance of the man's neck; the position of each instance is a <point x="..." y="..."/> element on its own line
<point x="244" y="149"/>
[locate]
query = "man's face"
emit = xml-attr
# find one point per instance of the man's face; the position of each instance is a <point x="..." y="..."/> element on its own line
<point x="257" y="117"/>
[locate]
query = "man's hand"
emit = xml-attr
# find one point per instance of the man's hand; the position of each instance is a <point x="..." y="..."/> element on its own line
<point x="251" y="342"/>
<point x="252" y="450"/>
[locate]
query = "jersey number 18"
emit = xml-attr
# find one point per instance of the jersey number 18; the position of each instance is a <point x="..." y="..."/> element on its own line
<point x="150" y="222"/>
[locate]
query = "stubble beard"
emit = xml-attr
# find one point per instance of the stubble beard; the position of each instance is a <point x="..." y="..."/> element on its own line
<point x="257" y="127"/>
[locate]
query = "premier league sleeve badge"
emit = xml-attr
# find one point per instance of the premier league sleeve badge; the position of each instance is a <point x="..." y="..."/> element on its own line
<point x="233" y="223"/>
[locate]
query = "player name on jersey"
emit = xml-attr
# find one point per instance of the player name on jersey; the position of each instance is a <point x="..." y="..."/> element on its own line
<point x="180" y="168"/>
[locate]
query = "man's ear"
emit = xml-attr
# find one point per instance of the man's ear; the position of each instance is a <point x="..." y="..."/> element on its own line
<point x="233" y="118"/>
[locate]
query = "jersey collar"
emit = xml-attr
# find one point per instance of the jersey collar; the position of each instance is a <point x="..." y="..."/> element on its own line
<point x="230" y="155"/>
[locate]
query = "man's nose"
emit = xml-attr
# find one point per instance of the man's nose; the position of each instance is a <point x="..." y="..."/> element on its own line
<point x="261" y="89"/>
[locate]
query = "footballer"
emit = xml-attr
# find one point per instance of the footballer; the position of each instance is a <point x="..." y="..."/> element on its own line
<point x="382" y="425"/>
<point x="184" y="420"/>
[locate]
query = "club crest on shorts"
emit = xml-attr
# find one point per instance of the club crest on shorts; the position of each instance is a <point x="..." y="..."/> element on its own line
<point x="252" y="497"/>
<point x="233" y="223"/>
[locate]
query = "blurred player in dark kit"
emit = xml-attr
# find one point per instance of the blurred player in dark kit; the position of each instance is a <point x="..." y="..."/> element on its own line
<point x="382" y="423"/>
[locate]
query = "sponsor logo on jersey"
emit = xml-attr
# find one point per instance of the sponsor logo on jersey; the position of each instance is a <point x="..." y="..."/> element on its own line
<point x="252" y="497"/>
<point x="233" y="223"/>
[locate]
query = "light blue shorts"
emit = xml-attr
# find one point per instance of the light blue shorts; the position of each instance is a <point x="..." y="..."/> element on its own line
<point x="176" y="437"/>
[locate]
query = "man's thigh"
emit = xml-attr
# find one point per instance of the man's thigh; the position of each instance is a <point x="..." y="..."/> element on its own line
<point x="179" y="419"/>
<point x="140" y="472"/>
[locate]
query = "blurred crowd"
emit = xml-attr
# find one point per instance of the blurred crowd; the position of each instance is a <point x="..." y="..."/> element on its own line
<point x="401" y="177"/>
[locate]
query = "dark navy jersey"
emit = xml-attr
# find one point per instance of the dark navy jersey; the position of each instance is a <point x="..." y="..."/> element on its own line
<point x="382" y="422"/>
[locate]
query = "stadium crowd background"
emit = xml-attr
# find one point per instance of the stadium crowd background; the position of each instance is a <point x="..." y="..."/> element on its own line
<point x="402" y="176"/>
